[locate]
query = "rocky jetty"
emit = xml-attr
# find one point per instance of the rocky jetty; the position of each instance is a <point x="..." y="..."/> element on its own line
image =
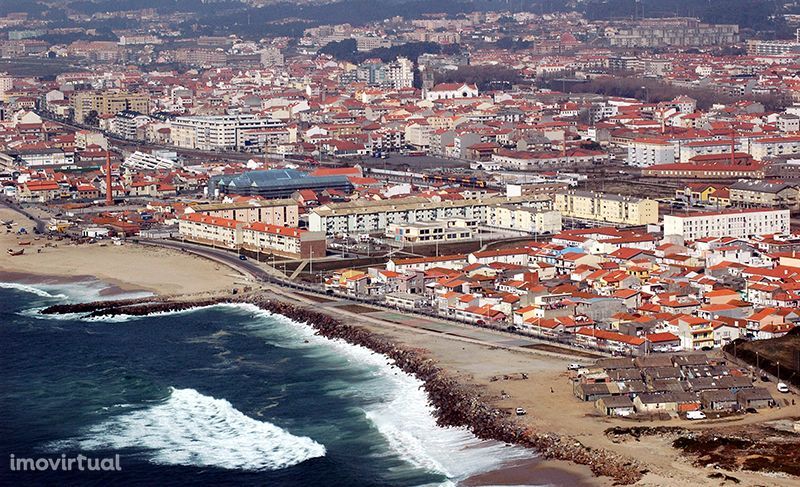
<point x="133" y="307"/>
<point x="455" y="404"/>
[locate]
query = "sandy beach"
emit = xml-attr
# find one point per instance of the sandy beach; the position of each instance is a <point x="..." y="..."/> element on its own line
<point x="546" y="393"/>
<point x="129" y="267"/>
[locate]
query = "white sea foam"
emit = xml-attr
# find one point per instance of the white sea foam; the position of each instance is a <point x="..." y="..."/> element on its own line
<point x="405" y="418"/>
<point x="30" y="289"/>
<point x="193" y="429"/>
<point x="400" y="411"/>
<point x="398" y="408"/>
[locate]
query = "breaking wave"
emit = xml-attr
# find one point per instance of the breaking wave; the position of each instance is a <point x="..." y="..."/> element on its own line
<point x="190" y="428"/>
<point x="399" y="409"/>
<point x="30" y="289"/>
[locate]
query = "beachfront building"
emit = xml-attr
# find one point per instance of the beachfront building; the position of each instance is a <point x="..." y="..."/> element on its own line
<point x="609" y="208"/>
<point x="728" y="223"/>
<point x="256" y="237"/>
<point x="280" y="212"/>
<point x="365" y="216"/>
<point x="611" y="341"/>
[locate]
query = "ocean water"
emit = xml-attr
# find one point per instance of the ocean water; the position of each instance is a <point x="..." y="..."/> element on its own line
<point x="222" y="395"/>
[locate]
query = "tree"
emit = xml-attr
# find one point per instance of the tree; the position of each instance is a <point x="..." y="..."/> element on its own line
<point x="345" y="50"/>
<point x="92" y="118"/>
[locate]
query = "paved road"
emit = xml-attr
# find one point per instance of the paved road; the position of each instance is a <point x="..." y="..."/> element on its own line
<point x="429" y="323"/>
<point x="40" y="224"/>
<point x="232" y="260"/>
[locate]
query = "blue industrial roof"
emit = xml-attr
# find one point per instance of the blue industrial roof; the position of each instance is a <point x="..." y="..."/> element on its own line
<point x="277" y="178"/>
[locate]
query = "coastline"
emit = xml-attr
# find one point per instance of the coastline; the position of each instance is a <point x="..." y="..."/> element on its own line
<point x="129" y="267"/>
<point x="471" y="367"/>
<point x="550" y="405"/>
<point x="455" y="403"/>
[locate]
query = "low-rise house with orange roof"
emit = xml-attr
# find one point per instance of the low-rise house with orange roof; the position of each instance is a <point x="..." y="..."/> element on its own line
<point x="774" y="330"/>
<point x="457" y="261"/>
<point x="518" y="256"/>
<point x="403" y="300"/>
<point x="598" y="308"/>
<point x="482" y="315"/>
<point x="663" y="342"/>
<point x="772" y="316"/>
<point x="721" y="296"/>
<point x="680" y="306"/>
<point x="727" y="329"/>
<point x="695" y="333"/>
<point x="521" y="315"/>
<point x="631" y="298"/>
<point x="571" y="260"/>
<point x="547" y="327"/>
<point x="611" y="341"/>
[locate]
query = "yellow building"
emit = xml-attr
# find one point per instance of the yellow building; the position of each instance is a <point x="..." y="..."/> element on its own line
<point x="107" y="103"/>
<point x="697" y="192"/>
<point x="609" y="208"/>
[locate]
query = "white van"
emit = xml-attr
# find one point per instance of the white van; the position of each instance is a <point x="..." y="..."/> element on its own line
<point x="783" y="388"/>
<point x="692" y="415"/>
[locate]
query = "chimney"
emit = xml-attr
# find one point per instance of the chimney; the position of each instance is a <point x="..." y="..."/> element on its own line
<point x="109" y="198"/>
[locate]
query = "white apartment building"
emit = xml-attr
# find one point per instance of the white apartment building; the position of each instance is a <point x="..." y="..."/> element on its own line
<point x="271" y="56"/>
<point x="369" y="43"/>
<point x="280" y="212"/>
<point x="6" y="84"/>
<point x="650" y="152"/>
<point x="431" y="232"/>
<point x="222" y="132"/>
<point x="451" y="91"/>
<point x="419" y="135"/>
<point x="366" y="216"/>
<point x="400" y="73"/>
<point x="768" y="147"/>
<point x="729" y="223"/>
<point x="525" y="219"/>
<point x="256" y="237"/>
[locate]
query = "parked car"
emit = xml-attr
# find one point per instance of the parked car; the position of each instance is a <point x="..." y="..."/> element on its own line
<point x="242" y="257"/>
<point x="783" y="388"/>
<point x="751" y="410"/>
<point x="574" y="366"/>
<point x="693" y="415"/>
<point x="521" y="412"/>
